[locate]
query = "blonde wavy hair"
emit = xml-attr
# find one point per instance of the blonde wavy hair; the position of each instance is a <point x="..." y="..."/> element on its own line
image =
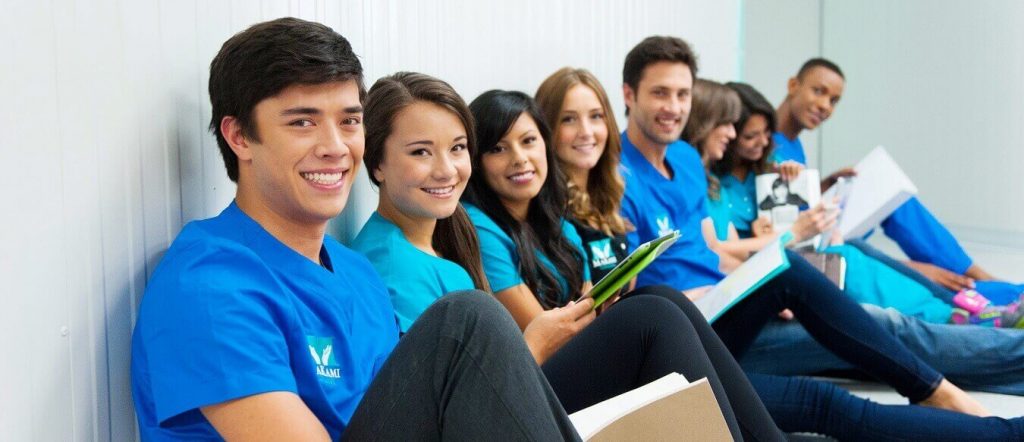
<point x="598" y="205"/>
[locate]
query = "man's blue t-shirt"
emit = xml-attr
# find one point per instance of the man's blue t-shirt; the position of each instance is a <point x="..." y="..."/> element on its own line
<point x="415" y="279"/>
<point x="742" y="196"/>
<point x="501" y="261"/>
<point x="232" y="312"/>
<point x="656" y="205"/>
<point x="788" y="150"/>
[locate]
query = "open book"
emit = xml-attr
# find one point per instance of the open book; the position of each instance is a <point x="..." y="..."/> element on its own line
<point x="781" y="202"/>
<point x="835" y="199"/>
<point x="751" y="275"/>
<point x="630" y="267"/>
<point x="668" y="409"/>
<point x="879" y="188"/>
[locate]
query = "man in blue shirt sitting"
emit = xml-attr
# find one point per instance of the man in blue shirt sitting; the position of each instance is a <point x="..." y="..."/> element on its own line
<point x="811" y="97"/>
<point x="257" y="326"/>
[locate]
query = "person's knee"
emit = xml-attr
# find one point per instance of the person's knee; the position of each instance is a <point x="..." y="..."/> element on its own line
<point x="467" y="309"/>
<point x="467" y="300"/>
<point x="648" y="311"/>
<point x="674" y="296"/>
<point x="663" y="291"/>
<point x="890" y="319"/>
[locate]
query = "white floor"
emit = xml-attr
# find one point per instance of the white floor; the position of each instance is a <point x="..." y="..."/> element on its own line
<point x="1003" y="262"/>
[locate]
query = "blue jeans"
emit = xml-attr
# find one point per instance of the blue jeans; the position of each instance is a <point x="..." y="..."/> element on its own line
<point x="835" y="320"/>
<point x="976" y="358"/>
<point x="799" y="404"/>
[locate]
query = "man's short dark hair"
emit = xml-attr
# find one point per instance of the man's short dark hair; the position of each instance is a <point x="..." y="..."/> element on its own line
<point x="263" y="60"/>
<point x="652" y="50"/>
<point x="816" y="63"/>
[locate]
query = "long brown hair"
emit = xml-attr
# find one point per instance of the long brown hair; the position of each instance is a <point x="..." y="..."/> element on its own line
<point x="454" y="237"/>
<point x="713" y="105"/>
<point x="597" y="205"/>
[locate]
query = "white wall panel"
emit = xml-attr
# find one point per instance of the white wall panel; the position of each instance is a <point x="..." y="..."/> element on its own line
<point x="937" y="82"/>
<point x="104" y="151"/>
<point x="941" y="84"/>
<point x="778" y="37"/>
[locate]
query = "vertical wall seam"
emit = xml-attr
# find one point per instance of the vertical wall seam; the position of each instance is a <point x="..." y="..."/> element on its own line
<point x="821" y="53"/>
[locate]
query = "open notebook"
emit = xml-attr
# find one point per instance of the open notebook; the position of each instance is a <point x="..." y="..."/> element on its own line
<point x="879" y="188"/>
<point x="753" y="273"/>
<point x="668" y="409"/>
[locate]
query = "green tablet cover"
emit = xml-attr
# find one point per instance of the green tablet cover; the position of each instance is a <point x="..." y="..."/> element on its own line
<point x="630" y="267"/>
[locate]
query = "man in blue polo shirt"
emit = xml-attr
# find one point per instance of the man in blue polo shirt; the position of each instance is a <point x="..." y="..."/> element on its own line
<point x="256" y="325"/>
<point x="811" y="97"/>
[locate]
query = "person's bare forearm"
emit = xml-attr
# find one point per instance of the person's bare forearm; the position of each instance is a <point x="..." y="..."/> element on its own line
<point x="273" y="416"/>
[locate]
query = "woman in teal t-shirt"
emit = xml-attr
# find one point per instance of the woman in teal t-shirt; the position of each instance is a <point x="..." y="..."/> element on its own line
<point x="420" y="239"/>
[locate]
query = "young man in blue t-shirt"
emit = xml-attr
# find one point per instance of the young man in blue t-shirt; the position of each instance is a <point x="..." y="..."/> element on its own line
<point x="811" y="97"/>
<point x="257" y="326"/>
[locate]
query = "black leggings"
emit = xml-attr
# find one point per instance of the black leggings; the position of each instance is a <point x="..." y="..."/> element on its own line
<point x="645" y="336"/>
<point x="656" y="330"/>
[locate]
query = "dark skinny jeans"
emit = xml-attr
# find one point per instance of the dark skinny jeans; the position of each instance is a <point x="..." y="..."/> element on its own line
<point x="835" y="321"/>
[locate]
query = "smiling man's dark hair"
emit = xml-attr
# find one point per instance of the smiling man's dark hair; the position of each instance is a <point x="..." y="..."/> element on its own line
<point x="819" y="63"/>
<point x="263" y="60"/>
<point x="652" y="50"/>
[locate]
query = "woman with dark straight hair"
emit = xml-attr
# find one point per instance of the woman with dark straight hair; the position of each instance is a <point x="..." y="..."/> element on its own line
<point x="534" y="263"/>
<point x="528" y="202"/>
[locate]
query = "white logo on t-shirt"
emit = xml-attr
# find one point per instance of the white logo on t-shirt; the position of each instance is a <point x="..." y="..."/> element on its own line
<point x="321" y="349"/>
<point x="602" y="251"/>
<point x="664" y="226"/>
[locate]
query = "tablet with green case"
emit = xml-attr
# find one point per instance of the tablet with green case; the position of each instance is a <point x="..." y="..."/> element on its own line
<point x="630" y="267"/>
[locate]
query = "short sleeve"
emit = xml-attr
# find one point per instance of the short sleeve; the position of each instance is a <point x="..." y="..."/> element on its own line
<point x="412" y="291"/>
<point x="501" y="264"/>
<point x="212" y="331"/>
